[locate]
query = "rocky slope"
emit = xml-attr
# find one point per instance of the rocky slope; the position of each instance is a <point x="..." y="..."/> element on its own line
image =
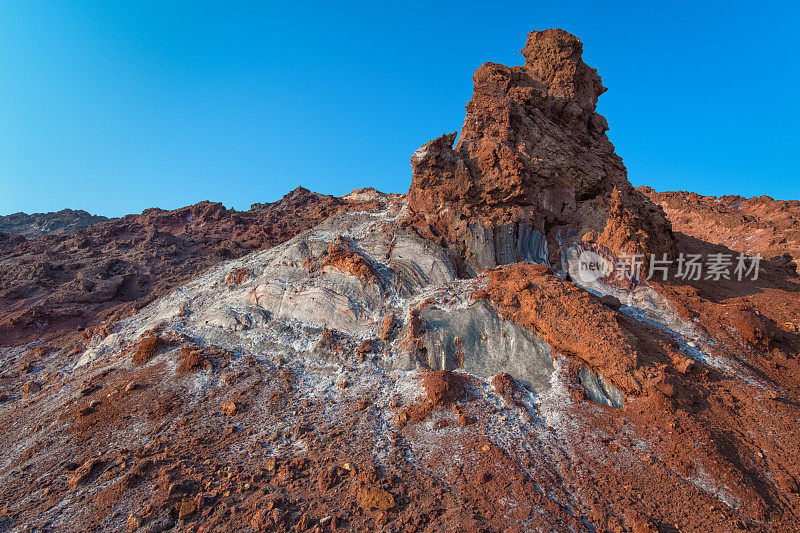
<point x="60" y="223"/>
<point x="755" y="225"/>
<point x="56" y="285"/>
<point x="433" y="361"/>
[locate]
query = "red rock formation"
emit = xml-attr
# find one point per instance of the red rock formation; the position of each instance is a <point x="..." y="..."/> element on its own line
<point x="253" y="439"/>
<point x="533" y="157"/>
<point x="343" y="257"/>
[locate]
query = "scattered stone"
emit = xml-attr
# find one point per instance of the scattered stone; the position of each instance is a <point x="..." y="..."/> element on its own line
<point x="504" y="384"/>
<point x="389" y="327"/>
<point x="444" y="387"/>
<point x="365" y="347"/>
<point x="374" y="498"/>
<point x="83" y="473"/>
<point x="684" y="365"/>
<point x="188" y="507"/>
<point x="465" y="420"/>
<point x="791" y="327"/>
<point x="30" y="387"/>
<point x="230" y="408"/>
<point x="134" y="521"/>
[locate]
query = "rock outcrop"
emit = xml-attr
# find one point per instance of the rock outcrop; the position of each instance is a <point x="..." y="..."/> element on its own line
<point x="92" y="277"/>
<point x="532" y="165"/>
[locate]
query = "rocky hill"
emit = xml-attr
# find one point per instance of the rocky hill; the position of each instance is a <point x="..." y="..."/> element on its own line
<point x="59" y="223"/>
<point x="755" y="225"/>
<point x="57" y="285"/>
<point x="440" y="360"/>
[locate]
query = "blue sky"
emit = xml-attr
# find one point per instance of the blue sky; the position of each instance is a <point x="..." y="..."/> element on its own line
<point x="115" y="107"/>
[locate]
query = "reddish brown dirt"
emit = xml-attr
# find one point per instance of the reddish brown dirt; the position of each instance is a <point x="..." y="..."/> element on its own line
<point x="443" y="387"/>
<point x="146" y="348"/>
<point x="753" y="319"/>
<point x="694" y="418"/>
<point x="532" y="296"/>
<point x="179" y="468"/>
<point x="192" y="359"/>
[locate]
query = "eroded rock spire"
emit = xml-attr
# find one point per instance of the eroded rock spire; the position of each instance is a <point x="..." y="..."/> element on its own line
<point x="533" y="167"/>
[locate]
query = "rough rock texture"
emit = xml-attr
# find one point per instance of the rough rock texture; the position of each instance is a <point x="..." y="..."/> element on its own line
<point x="750" y="225"/>
<point x="59" y="223"/>
<point x="530" y="295"/>
<point x="532" y="163"/>
<point x="356" y="376"/>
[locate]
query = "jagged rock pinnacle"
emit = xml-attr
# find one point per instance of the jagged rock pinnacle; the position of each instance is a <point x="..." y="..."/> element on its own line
<point x="532" y="167"/>
<point x="553" y="57"/>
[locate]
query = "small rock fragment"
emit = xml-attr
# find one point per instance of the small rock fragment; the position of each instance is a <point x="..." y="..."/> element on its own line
<point x="666" y="388"/>
<point x="230" y="408"/>
<point x="83" y="473"/>
<point x="30" y="387"/>
<point x="375" y="498"/>
<point x="188" y="507"/>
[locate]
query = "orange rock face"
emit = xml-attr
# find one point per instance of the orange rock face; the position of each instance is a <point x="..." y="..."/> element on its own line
<point x="571" y="320"/>
<point x="343" y="257"/>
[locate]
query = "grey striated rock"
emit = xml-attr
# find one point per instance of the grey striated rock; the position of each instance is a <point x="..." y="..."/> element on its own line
<point x="477" y="339"/>
<point x="487" y="246"/>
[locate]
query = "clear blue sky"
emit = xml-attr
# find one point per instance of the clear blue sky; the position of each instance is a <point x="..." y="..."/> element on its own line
<point x="114" y="107"/>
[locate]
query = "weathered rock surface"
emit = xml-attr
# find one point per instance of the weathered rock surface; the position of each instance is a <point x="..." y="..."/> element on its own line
<point x="532" y="164"/>
<point x="92" y="277"/>
<point x="749" y="225"/>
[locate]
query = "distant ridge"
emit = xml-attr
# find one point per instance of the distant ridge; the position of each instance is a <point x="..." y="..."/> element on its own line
<point x="59" y="222"/>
